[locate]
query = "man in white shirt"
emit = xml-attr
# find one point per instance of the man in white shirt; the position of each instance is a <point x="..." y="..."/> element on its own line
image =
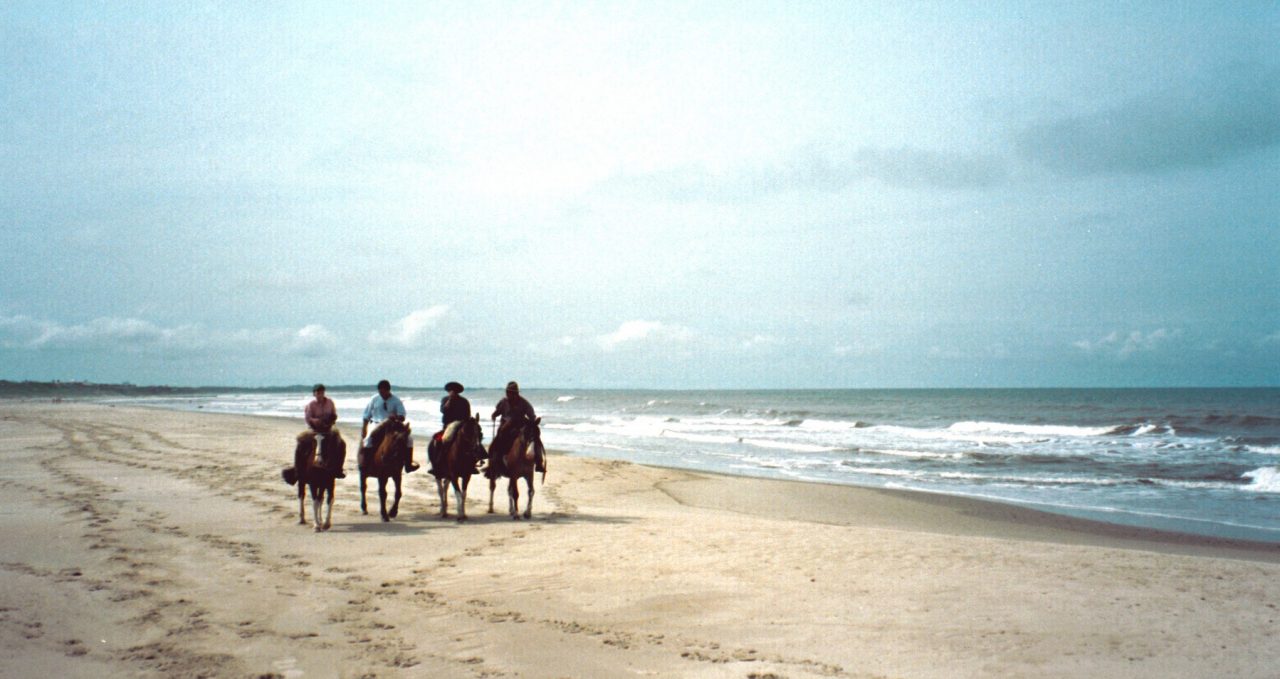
<point x="382" y="407"/>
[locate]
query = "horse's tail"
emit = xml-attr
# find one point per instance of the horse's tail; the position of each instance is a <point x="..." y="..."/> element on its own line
<point x="290" y="475"/>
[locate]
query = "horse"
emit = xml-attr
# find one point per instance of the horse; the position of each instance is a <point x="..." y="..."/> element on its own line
<point x="518" y="463"/>
<point x="306" y="472"/>
<point x="455" y="463"/>
<point x="383" y="462"/>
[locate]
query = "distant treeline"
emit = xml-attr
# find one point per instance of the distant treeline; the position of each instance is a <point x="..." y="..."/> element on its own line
<point x="10" y="389"/>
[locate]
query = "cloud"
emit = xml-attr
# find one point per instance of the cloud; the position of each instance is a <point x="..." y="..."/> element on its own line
<point x="132" y="334"/>
<point x="20" y="331"/>
<point x="855" y="350"/>
<point x="762" y="342"/>
<point x="639" y="331"/>
<point x="412" y="330"/>
<point x="1190" y="127"/>
<point x="1124" y="346"/>
<point x="313" y="340"/>
<point x="100" y="333"/>
<point x="812" y="170"/>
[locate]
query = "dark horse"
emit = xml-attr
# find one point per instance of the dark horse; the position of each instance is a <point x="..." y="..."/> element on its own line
<point x="455" y="462"/>
<point x="517" y="462"/>
<point x="306" y="472"/>
<point x="384" y="461"/>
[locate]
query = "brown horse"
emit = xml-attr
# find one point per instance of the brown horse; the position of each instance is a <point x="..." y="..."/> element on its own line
<point x="386" y="461"/>
<point x="518" y="463"/>
<point x="306" y="472"/>
<point x="455" y="462"/>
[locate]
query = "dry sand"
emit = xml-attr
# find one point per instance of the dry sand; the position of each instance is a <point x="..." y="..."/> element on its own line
<point x="146" y="543"/>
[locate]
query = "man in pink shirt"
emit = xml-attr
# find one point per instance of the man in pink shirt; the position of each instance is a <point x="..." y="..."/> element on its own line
<point x="321" y="414"/>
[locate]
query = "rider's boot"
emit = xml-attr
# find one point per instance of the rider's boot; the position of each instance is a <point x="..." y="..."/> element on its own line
<point x="409" y="465"/>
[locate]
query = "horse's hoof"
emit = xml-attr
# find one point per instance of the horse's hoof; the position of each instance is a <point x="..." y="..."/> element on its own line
<point x="528" y="515"/>
<point x="327" y="526"/>
<point x="386" y="519"/>
<point x="393" y="513"/>
<point x="318" y="529"/>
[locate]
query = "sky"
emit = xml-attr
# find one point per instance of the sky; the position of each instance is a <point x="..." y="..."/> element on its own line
<point x="641" y="195"/>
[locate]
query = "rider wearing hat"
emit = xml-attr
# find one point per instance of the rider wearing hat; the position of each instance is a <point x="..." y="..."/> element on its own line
<point x="454" y="409"/>
<point x="515" y="412"/>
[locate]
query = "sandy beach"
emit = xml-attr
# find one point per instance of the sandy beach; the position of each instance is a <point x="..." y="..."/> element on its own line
<point x="151" y="543"/>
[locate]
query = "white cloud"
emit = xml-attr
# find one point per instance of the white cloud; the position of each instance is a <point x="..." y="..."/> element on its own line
<point x="857" y="349"/>
<point x="100" y="333"/>
<point x="1124" y="346"/>
<point x="762" y="342"/>
<point x="639" y="331"/>
<point x="20" y="331"/>
<point x="412" y="330"/>
<point x="312" y="340"/>
<point x="131" y="334"/>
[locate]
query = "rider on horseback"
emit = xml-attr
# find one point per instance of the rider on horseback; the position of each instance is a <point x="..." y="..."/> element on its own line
<point x="454" y="410"/>
<point x="321" y="414"/>
<point x="385" y="407"/>
<point x="515" y="412"/>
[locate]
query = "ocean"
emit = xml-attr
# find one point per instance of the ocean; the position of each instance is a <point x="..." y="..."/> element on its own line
<point x="1203" y="461"/>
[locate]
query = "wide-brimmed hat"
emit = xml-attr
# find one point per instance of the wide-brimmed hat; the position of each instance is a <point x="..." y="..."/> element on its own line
<point x="453" y="386"/>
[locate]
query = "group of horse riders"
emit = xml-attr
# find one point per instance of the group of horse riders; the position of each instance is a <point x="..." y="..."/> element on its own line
<point x="321" y="414"/>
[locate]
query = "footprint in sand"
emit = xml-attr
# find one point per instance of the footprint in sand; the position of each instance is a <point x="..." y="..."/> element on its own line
<point x="287" y="668"/>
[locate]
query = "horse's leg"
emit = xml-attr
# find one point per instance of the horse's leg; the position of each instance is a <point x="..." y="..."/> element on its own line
<point x="528" y="481"/>
<point x="302" y="502"/>
<point x="317" y="497"/>
<point x="442" y="489"/>
<point x="382" y="495"/>
<point x="493" y="483"/>
<point x="513" y="498"/>
<point x="364" y="507"/>
<point x="395" y="507"/>
<point x="328" y="510"/>
<point x="460" y="499"/>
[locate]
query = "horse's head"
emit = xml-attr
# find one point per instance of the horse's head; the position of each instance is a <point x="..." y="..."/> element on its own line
<point x="532" y="431"/>
<point x="395" y="437"/>
<point x="473" y="429"/>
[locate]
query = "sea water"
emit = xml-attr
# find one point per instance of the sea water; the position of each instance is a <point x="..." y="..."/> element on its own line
<point x="1204" y="461"/>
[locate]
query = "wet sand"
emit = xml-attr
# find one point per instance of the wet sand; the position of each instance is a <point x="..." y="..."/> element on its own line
<point x="162" y="544"/>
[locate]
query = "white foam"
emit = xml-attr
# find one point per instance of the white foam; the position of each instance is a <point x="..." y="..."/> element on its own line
<point x="783" y="445"/>
<point x="1056" y="430"/>
<point x="1264" y="480"/>
<point x="921" y="454"/>
<point x="829" y="425"/>
<point x="565" y="399"/>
